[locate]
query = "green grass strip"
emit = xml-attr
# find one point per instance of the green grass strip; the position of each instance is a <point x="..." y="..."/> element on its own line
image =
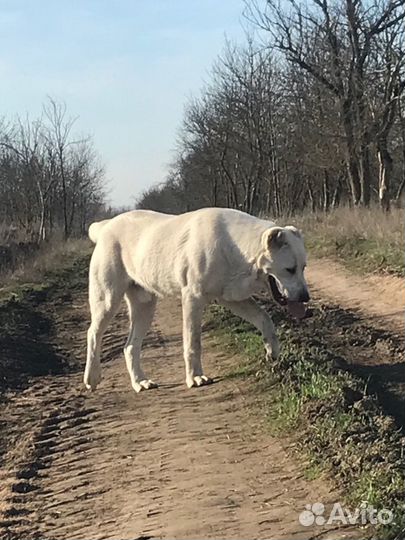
<point x="341" y="427"/>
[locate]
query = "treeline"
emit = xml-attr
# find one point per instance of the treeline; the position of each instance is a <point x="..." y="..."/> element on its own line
<point x="50" y="181"/>
<point x="310" y="112"/>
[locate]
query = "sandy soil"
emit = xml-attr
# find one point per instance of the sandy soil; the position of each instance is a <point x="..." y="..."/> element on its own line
<point x="167" y="463"/>
<point x="379" y="299"/>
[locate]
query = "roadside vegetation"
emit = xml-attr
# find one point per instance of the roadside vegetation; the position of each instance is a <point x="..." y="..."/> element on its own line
<point x="31" y="267"/>
<point x="366" y="240"/>
<point x="334" y="417"/>
<point x="51" y="187"/>
<point x="32" y="303"/>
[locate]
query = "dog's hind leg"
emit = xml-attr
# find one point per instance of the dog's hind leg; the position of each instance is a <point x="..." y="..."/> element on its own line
<point x="141" y="308"/>
<point x="107" y="284"/>
<point x="192" y="318"/>
<point x="253" y="313"/>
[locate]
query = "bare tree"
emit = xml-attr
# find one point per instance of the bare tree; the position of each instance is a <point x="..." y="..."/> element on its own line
<point x="333" y="42"/>
<point x="309" y="114"/>
<point x="48" y="180"/>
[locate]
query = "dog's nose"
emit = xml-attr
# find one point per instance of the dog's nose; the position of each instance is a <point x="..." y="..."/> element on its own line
<point x="304" y="296"/>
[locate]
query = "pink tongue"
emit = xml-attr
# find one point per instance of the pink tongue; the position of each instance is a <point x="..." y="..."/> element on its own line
<point x="296" y="309"/>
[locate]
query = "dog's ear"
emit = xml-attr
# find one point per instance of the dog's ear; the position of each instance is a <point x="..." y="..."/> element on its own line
<point x="294" y="230"/>
<point x="273" y="238"/>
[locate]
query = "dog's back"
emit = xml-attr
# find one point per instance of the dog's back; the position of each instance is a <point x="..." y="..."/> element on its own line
<point x="164" y="253"/>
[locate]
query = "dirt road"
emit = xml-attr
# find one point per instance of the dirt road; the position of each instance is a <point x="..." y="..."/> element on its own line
<point x="380" y="299"/>
<point x="171" y="462"/>
<point x="167" y="463"/>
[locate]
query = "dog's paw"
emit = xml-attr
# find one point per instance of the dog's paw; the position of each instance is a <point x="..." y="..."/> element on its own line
<point x="92" y="379"/>
<point x="145" y="384"/>
<point x="199" y="380"/>
<point x="272" y="351"/>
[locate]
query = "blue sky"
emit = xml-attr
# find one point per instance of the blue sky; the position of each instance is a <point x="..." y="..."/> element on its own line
<point x="125" y="68"/>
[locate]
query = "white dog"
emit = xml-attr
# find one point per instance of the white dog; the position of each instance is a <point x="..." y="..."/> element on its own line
<point x="212" y="253"/>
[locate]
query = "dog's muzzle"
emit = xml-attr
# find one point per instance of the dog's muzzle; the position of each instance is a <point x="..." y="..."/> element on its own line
<point x="297" y="309"/>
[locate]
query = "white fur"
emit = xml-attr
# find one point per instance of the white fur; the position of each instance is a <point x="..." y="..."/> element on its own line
<point x="212" y="253"/>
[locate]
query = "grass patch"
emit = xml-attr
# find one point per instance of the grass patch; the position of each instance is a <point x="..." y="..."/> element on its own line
<point x="313" y="471"/>
<point x="364" y="239"/>
<point x="339" y="426"/>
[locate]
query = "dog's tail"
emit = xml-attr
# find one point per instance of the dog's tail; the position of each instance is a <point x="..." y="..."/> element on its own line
<point x="95" y="229"/>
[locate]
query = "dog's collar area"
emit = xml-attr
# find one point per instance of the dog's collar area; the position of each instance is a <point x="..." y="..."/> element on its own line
<point x="275" y="291"/>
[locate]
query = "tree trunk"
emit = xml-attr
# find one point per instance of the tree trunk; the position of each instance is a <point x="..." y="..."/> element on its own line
<point x="41" y="231"/>
<point x="325" y="191"/>
<point x="64" y="197"/>
<point x="365" y="176"/>
<point x="384" y="175"/>
<point x="354" y="179"/>
<point x="400" y="188"/>
<point x="336" y="194"/>
<point x="352" y="162"/>
<point x="215" y="191"/>
<point x="311" y="196"/>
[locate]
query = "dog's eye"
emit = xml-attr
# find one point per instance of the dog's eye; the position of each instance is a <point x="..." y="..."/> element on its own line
<point x="291" y="270"/>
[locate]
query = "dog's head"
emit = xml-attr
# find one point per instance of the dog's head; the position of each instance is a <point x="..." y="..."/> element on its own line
<point x="283" y="260"/>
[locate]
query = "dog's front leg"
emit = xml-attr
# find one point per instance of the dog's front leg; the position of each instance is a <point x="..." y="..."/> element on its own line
<point x="192" y="318"/>
<point x="253" y="313"/>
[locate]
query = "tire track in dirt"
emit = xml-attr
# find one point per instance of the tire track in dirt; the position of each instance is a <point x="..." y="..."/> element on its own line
<point x="168" y="463"/>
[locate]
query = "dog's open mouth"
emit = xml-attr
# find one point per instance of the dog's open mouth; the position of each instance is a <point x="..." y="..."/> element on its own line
<point x="275" y="291"/>
<point x="296" y="309"/>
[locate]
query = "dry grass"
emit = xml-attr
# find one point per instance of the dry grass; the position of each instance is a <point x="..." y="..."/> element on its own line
<point x="369" y="223"/>
<point x="51" y="256"/>
<point x="367" y="240"/>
